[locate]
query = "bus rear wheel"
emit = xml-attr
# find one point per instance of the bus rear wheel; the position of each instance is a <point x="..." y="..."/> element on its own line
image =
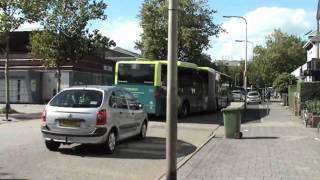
<point x="185" y="110"/>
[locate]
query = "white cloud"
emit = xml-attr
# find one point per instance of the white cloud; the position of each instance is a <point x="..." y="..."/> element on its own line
<point x="124" y="32"/>
<point x="261" y="22"/>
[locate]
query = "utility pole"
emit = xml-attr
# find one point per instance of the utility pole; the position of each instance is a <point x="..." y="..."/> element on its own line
<point x="171" y="140"/>
<point x="245" y="62"/>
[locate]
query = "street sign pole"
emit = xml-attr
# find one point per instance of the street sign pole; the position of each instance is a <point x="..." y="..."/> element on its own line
<point x="171" y="141"/>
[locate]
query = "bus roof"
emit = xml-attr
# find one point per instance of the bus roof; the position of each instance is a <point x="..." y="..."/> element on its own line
<point x="147" y="61"/>
<point x="208" y="69"/>
<point x="223" y="74"/>
<point x="213" y="71"/>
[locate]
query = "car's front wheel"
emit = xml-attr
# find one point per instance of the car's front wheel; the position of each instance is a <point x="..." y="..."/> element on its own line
<point x="52" y="145"/>
<point x="110" y="144"/>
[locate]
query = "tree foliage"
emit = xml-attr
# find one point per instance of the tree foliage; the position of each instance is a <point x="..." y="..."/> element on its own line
<point x="66" y="37"/>
<point x="281" y="53"/>
<point x="14" y="13"/>
<point x="195" y="28"/>
<point x="282" y="82"/>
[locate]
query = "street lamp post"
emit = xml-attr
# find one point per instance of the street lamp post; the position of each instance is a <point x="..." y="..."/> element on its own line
<point x="171" y="141"/>
<point x="318" y="19"/>
<point x="252" y="44"/>
<point x="245" y="62"/>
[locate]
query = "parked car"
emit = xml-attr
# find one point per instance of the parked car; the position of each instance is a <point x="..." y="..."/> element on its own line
<point x="237" y="95"/>
<point x="253" y="97"/>
<point x="93" y="115"/>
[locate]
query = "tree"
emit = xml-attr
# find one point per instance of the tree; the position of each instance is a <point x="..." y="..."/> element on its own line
<point x="66" y="38"/>
<point x="14" y="13"/>
<point x="282" y="82"/>
<point x="221" y="67"/>
<point x="281" y="53"/>
<point x="195" y="27"/>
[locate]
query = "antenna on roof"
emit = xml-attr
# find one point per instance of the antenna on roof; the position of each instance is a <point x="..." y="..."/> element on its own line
<point x="308" y="32"/>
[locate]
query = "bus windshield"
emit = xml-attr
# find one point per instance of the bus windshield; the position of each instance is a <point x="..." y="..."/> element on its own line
<point x="136" y="74"/>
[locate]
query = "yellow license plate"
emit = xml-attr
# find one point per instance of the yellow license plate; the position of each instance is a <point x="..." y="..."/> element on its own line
<point x="69" y="123"/>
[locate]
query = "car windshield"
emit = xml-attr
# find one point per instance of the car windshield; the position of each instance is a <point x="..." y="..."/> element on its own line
<point x="78" y="98"/>
<point x="236" y="92"/>
<point x="253" y="94"/>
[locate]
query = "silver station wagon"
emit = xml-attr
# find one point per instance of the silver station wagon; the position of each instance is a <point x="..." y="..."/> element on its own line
<point x="92" y="115"/>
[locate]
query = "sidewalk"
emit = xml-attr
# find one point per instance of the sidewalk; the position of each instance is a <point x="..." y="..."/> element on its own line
<point x="25" y="111"/>
<point x="274" y="146"/>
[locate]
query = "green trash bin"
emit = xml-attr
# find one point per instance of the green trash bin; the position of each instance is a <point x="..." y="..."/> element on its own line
<point x="232" y="122"/>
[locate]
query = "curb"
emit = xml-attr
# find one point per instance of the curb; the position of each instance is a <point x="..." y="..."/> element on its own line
<point x="188" y="157"/>
<point x="22" y="117"/>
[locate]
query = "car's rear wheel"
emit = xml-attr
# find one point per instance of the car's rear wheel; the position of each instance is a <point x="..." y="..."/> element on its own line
<point x="143" y="131"/>
<point x="110" y="144"/>
<point x="52" y="145"/>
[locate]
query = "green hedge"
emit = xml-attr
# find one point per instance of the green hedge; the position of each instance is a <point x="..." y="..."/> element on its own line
<point x="292" y="89"/>
<point x="11" y="111"/>
<point x="308" y="91"/>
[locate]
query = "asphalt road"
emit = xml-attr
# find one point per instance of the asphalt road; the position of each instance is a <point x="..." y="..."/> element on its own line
<point x="23" y="154"/>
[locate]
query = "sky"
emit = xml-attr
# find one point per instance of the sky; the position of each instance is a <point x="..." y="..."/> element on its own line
<point x="295" y="17"/>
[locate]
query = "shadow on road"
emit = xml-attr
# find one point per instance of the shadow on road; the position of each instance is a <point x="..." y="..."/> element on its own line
<point x="197" y="118"/>
<point x="254" y="115"/>
<point x="4" y="175"/>
<point x="260" y="137"/>
<point x="149" y="148"/>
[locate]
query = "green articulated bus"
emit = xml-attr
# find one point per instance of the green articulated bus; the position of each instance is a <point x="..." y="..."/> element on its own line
<point x="199" y="88"/>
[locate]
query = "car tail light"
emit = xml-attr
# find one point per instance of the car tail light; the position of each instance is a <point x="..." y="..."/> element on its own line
<point x="101" y="117"/>
<point x="44" y="115"/>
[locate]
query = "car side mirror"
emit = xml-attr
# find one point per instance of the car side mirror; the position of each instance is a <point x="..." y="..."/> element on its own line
<point x="140" y="106"/>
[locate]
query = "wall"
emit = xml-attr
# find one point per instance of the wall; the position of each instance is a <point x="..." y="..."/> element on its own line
<point x="86" y="78"/>
<point x="49" y="83"/>
<point x="18" y="86"/>
<point x="311" y="53"/>
<point x="24" y="87"/>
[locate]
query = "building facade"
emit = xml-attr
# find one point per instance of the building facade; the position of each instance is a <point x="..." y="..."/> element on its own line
<point x="31" y="82"/>
<point x="309" y="71"/>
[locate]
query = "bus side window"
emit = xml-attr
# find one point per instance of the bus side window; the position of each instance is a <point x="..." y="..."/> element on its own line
<point x="164" y="75"/>
<point x="185" y="82"/>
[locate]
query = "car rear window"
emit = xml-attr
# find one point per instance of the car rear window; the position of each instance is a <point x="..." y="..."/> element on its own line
<point x="136" y="74"/>
<point x="253" y="94"/>
<point x="78" y="99"/>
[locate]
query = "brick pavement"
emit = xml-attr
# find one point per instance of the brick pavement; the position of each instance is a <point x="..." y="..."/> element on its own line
<point x="274" y="146"/>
